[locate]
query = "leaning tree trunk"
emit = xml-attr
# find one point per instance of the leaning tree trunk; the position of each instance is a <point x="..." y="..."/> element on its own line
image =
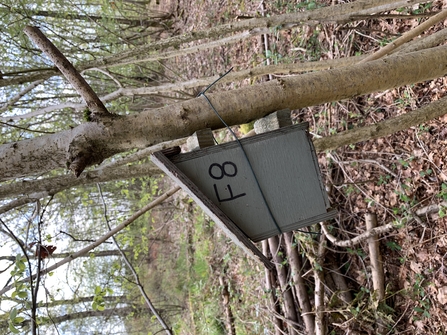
<point x="92" y="142"/>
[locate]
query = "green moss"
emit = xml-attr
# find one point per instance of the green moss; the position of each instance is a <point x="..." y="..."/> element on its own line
<point x="87" y="115"/>
<point x="245" y="128"/>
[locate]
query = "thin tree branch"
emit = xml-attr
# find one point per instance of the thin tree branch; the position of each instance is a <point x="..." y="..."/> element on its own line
<point x="390" y="126"/>
<point x="22" y="201"/>
<point x="320" y="324"/>
<point x="19" y="95"/>
<point x="280" y="69"/>
<point x="270" y="287"/>
<point x="132" y="269"/>
<point x="100" y="240"/>
<point x="53" y="185"/>
<point x="78" y="240"/>
<point x="375" y="257"/>
<point x="360" y="238"/>
<point x="69" y="71"/>
<point x="26" y="129"/>
<point x="409" y="35"/>
<point x="107" y="73"/>
<point x="30" y="279"/>
<point x="300" y="286"/>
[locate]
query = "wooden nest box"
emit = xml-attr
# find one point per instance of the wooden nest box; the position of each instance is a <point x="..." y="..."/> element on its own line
<point x="256" y="188"/>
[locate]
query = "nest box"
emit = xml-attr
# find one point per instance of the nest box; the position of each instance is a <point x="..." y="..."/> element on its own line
<point x="249" y="185"/>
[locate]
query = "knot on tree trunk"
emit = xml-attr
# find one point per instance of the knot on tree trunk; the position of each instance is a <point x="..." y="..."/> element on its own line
<point x="83" y="152"/>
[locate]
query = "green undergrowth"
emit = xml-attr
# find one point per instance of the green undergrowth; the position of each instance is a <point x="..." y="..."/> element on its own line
<point x="205" y="254"/>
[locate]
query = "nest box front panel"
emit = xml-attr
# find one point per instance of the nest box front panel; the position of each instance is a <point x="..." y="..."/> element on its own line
<point x="286" y="170"/>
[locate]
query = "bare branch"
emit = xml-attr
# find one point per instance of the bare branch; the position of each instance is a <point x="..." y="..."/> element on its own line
<point x="132" y="269"/>
<point x="356" y="240"/>
<point x="409" y="35"/>
<point x="22" y="201"/>
<point x="68" y="70"/>
<point x="19" y="95"/>
<point x="390" y="126"/>
<point x="320" y="322"/>
<point x="99" y="240"/>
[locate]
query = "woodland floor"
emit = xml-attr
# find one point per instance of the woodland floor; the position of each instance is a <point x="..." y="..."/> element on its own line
<point x="393" y="176"/>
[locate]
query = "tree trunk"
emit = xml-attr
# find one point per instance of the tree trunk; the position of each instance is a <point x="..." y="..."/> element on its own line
<point x="92" y="142"/>
<point x="53" y="185"/>
<point x="300" y="285"/>
<point x="286" y="289"/>
<point x="122" y="312"/>
<point x="122" y="299"/>
<point x="340" y="13"/>
<point x="270" y="287"/>
<point x="101" y="253"/>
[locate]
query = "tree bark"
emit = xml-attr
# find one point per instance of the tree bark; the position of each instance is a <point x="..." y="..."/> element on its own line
<point x="94" y="141"/>
<point x="270" y="287"/>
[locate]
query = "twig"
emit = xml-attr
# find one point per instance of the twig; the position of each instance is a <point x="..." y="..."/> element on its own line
<point x="406" y="37"/>
<point x="132" y="269"/>
<point x="30" y="280"/>
<point x="336" y="160"/>
<point x="22" y="201"/>
<point x="26" y="129"/>
<point x="19" y="95"/>
<point x="227" y="306"/>
<point x="100" y="240"/>
<point x="68" y="70"/>
<point x="265" y="38"/>
<point x="105" y="72"/>
<point x="320" y="326"/>
<point x="141" y="154"/>
<point x="279" y="329"/>
<point x="370" y="161"/>
<point x="356" y="240"/>
<point x="430" y="209"/>
<point x="375" y="258"/>
<point x="422" y="146"/>
<point x="77" y="239"/>
<point x="393" y="16"/>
